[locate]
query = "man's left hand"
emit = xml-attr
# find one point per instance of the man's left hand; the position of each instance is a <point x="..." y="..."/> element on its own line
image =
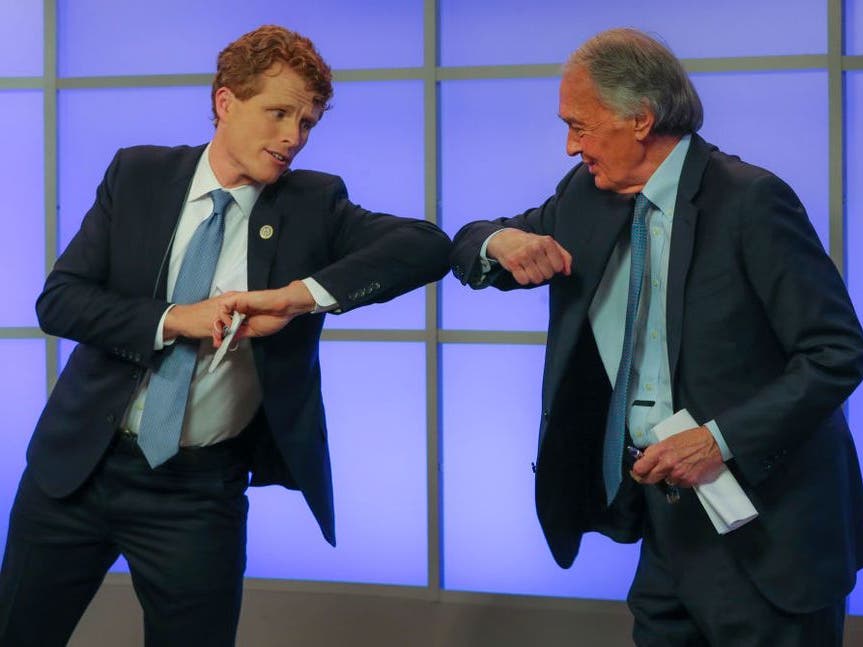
<point x="689" y="458"/>
<point x="267" y="311"/>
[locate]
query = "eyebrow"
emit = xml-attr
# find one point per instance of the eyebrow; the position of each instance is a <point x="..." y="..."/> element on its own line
<point x="293" y="108"/>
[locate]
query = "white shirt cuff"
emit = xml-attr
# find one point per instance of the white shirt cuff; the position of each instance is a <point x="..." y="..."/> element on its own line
<point x="324" y="301"/>
<point x="159" y="343"/>
<point x="720" y="440"/>
<point x="484" y="261"/>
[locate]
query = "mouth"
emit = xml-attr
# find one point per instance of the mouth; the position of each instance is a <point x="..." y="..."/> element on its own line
<point x="281" y="159"/>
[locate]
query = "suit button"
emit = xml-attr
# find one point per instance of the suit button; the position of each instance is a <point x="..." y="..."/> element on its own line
<point x="545" y="413"/>
<point x="110" y="418"/>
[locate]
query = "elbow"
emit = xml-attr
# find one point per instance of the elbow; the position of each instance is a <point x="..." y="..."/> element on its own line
<point x="442" y="265"/>
<point x="854" y="351"/>
<point x="858" y="364"/>
<point x="436" y="254"/>
<point x="48" y="314"/>
<point x="45" y="316"/>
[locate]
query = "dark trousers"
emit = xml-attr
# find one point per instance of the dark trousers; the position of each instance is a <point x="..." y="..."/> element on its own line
<point x="689" y="591"/>
<point x="181" y="527"/>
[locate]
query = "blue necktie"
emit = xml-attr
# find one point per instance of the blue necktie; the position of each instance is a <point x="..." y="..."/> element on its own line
<point x="615" y="428"/>
<point x="168" y="391"/>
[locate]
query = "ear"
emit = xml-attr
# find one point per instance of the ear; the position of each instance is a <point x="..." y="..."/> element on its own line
<point x="643" y="123"/>
<point x="224" y="102"/>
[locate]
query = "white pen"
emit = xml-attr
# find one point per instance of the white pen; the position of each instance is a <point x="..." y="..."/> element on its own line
<point x="227" y="337"/>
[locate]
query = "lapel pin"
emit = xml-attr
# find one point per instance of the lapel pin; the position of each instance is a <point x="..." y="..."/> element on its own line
<point x="266" y="232"/>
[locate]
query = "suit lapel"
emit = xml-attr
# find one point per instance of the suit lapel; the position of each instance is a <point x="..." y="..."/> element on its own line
<point x="264" y="229"/>
<point x="166" y="208"/>
<point x="682" y="243"/>
<point x="607" y="216"/>
<point x="612" y="212"/>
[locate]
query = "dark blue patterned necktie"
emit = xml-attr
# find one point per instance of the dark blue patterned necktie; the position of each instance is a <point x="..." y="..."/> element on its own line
<point x="615" y="428"/>
<point x="168" y="391"/>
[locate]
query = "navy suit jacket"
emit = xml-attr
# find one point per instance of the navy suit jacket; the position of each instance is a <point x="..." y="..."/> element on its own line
<point x="762" y="337"/>
<point x="108" y="292"/>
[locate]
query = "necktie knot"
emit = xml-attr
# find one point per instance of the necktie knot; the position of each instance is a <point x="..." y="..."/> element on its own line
<point x="642" y="204"/>
<point x="221" y="200"/>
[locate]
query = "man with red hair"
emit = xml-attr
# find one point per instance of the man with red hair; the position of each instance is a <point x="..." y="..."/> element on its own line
<point x="141" y="450"/>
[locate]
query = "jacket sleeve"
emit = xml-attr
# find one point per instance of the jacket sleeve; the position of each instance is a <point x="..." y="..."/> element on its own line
<point x="77" y="301"/>
<point x="813" y="320"/>
<point x="375" y="256"/>
<point x="467" y="243"/>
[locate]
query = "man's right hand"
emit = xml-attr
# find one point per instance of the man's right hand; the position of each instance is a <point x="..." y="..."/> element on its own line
<point x="531" y="259"/>
<point x="193" y="320"/>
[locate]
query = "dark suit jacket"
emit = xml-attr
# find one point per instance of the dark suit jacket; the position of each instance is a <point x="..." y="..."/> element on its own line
<point x="762" y="337"/>
<point x="107" y="291"/>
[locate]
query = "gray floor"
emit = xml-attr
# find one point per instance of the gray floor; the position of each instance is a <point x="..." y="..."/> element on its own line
<point x="279" y="614"/>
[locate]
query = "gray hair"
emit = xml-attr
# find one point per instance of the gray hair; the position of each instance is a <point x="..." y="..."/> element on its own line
<point x="630" y="70"/>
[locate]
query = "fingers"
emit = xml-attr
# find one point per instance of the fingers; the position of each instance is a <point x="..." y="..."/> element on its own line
<point x="567" y="259"/>
<point x="242" y="332"/>
<point x="224" y="316"/>
<point x="262" y="325"/>
<point x="660" y="462"/>
<point x="685" y="459"/>
<point x="250" y="303"/>
<point x="535" y="259"/>
<point x="647" y="469"/>
<point x="217" y="333"/>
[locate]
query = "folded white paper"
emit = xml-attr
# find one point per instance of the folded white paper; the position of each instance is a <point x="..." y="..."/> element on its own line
<point x="723" y="499"/>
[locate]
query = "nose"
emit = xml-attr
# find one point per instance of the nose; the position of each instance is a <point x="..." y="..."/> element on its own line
<point x="573" y="144"/>
<point x="290" y="132"/>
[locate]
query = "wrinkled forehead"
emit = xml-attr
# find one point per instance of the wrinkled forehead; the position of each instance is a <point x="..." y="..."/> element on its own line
<point x="578" y="92"/>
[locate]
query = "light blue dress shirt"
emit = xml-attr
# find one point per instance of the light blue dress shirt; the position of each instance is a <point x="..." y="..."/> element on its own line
<point x="650" y="397"/>
<point x="650" y="381"/>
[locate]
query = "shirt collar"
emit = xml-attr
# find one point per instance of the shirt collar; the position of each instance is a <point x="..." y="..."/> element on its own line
<point x="661" y="188"/>
<point x="204" y="181"/>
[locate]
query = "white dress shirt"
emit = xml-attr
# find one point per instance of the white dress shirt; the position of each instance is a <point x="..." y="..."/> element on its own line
<point x="223" y="402"/>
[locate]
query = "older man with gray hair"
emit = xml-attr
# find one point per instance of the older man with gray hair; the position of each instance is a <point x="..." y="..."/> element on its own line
<point x="683" y="278"/>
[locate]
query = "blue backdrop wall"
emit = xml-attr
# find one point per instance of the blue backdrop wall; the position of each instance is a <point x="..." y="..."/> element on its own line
<point x="433" y="100"/>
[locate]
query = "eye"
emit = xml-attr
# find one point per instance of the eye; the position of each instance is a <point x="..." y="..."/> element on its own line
<point x="307" y="125"/>
<point x="278" y="113"/>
